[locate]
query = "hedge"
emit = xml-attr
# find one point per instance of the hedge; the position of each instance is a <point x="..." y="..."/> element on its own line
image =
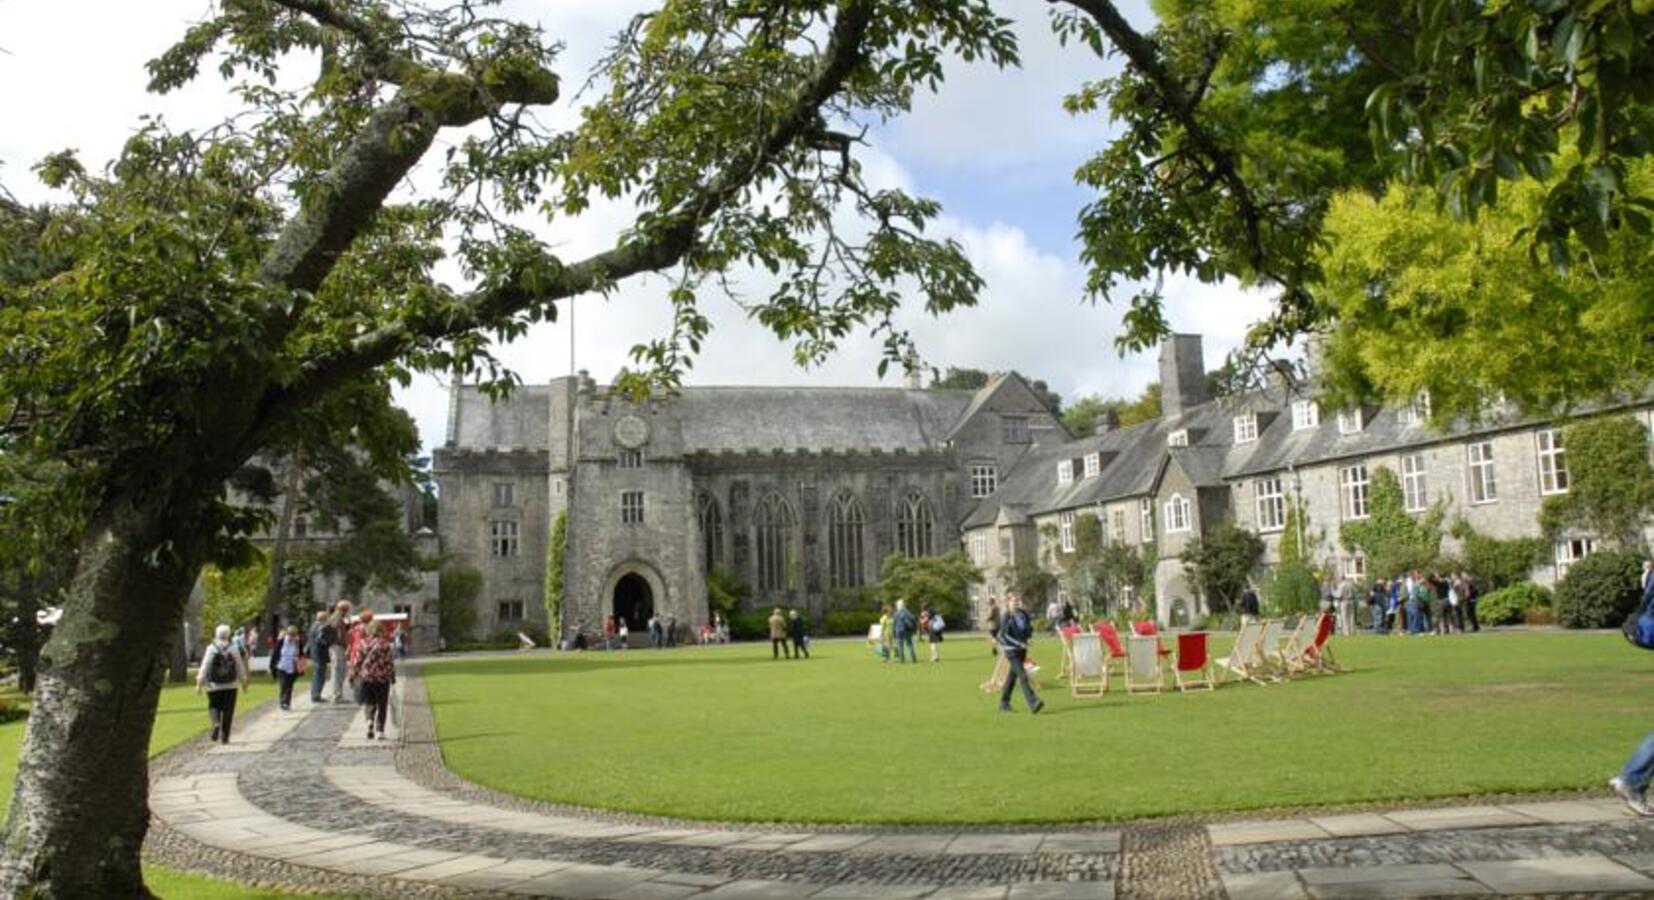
<point x="1510" y="605"/>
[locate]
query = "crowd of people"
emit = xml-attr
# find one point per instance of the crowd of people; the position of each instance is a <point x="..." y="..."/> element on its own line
<point x="899" y="628"/>
<point x="338" y="649"/>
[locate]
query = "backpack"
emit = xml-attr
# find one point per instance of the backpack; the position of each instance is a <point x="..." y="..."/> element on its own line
<point x="1639" y="626"/>
<point x="222" y="670"/>
<point x="936" y="623"/>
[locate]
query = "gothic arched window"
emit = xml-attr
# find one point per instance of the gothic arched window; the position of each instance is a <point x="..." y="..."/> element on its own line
<point x="712" y="530"/>
<point x="914" y="524"/>
<point x="774" y="543"/>
<point x="844" y="546"/>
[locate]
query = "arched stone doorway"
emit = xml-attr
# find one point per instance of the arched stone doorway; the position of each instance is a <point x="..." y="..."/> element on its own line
<point x="633" y="601"/>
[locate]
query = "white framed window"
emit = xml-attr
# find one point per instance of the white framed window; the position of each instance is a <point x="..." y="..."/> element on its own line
<point x="1355" y="567"/>
<point x="1305" y="414"/>
<point x="631" y="507"/>
<point x="1145" y="520"/>
<point x="511" y="611"/>
<point x="1349" y="421"/>
<point x="979" y="548"/>
<point x="1246" y="428"/>
<point x="1065" y="530"/>
<point x="1065" y="471"/>
<point x="504" y="493"/>
<point x="1271" y="504"/>
<point x="1016" y="429"/>
<point x="1178" y="438"/>
<point x="1572" y="550"/>
<point x="984" y="479"/>
<point x="1177" y="514"/>
<point x="1093" y="464"/>
<point x="503" y="539"/>
<point x="1117" y="526"/>
<point x="1484" y="487"/>
<point x="1415" y="490"/>
<point x="1553" y="466"/>
<point x="1416" y="411"/>
<point x="1352" y="484"/>
<point x="631" y="459"/>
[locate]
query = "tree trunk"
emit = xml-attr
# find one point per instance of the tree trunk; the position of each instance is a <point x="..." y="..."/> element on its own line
<point x="293" y="483"/>
<point x="79" y="809"/>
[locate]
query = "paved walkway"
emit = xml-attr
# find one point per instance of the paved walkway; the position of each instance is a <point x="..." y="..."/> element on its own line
<point x="302" y="798"/>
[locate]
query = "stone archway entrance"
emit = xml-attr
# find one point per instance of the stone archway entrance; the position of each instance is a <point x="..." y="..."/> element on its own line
<point x="634" y="601"/>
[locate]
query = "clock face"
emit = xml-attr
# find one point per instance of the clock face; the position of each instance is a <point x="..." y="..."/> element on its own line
<point x="631" y="432"/>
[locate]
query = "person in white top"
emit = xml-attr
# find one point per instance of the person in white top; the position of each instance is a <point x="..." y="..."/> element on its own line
<point x="223" y="675"/>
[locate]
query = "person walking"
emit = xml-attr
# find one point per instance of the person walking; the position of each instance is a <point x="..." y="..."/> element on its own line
<point x="778" y="635"/>
<point x="374" y="669"/>
<point x="904" y="624"/>
<point x="886" y="639"/>
<point x="797" y="629"/>
<point x="1014" y="636"/>
<point x="318" y="646"/>
<point x="934" y="625"/>
<point x="223" y="674"/>
<point x="337" y="651"/>
<point x="287" y="661"/>
<point x="1376" y="599"/>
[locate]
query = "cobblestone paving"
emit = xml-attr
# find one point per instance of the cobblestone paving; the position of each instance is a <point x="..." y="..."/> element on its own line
<point x="311" y="806"/>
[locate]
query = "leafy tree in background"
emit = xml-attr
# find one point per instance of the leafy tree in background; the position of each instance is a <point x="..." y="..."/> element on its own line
<point x="726" y="591"/>
<point x="556" y="553"/>
<point x="1242" y="122"/>
<point x="1610" y="483"/>
<point x="1498" y="563"/>
<point x="1221" y="562"/>
<point x="961" y="380"/>
<point x="226" y="288"/>
<point x="1392" y="540"/>
<point x="944" y="582"/>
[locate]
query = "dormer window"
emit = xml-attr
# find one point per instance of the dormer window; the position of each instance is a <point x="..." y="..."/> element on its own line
<point x="1417" y="411"/>
<point x="1178" y="438"/>
<point x="1246" y="428"/>
<point x="1065" y="471"/>
<point x="1349" y="421"/>
<point x="1305" y="414"/>
<point x="1093" y="464"/>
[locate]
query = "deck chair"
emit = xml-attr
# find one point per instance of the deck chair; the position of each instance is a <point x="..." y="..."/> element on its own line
<point x="1143" y="665"/>
<point x="875" y="640"/>
<point x="1112" y="645"/>
<point x="996" y="678"/>
<point x="1242" y="661"/>
<point x="1193" y="669"/>
<point x="1317" y="654"/>
<point x="1147" y="628"/>
<point x="1066" y="634"/>
<point x="1287" y="656"/>
<point x="1089" y="675"/>
<point x="1269" y="639"/>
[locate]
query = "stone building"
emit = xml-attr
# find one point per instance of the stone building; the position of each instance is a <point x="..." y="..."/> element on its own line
<point x="801" y="491"/>
<point x="1161" y="484"/>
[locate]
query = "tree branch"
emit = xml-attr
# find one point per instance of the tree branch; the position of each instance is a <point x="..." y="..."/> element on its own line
<point x="663" y="246"/>
<point x="1145" y="56"/>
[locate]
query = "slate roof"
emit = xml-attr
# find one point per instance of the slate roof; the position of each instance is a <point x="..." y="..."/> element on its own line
<point x="817" y="418"/>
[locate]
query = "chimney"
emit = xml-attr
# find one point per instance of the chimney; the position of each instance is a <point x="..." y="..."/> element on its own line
<point x="913" y="380"/>
<point x="1315" y="351"/>
<point x="456" y="383"/>
<point x="1182" y="374"/>
<point x="1108" y="421"/>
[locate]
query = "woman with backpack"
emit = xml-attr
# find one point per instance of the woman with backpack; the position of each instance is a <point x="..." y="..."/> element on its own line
<point x="931" y="623"/>
<point x="374" y="670"/>
<point x="223" y="673"/>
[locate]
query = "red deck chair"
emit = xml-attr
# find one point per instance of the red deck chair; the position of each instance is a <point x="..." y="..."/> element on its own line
<point x="1318" y="655"/>
<point x="1115" y="648"/>
<point x="1149" y="629"/>
<point x="1193" y="670"/>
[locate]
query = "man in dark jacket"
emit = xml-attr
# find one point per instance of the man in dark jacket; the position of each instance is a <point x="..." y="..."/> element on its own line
<point x="796" y="630"/>
<point x="1014" y="636"/>
<point x="904" y="625"/>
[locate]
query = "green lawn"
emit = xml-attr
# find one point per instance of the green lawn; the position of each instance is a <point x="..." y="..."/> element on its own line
<point x="182" y="716"/>
<point x="725" y="733"/>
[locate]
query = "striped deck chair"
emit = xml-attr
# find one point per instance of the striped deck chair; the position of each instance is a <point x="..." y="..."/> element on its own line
<point x="1193" y="668"/>
<point x="1143" y="672"/>
<point x="1263" y="660"/>
<point x="1089" y="676"/>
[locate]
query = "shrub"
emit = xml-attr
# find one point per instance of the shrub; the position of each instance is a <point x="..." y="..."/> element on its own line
<point x="750" y="625"/>
<point x="1496" y="563"/>
<point x="509" y="635"/>
<point x="1291" y="589"/>
<point x="849" y="621"/>
<point x="11" y="710"/>
<point x="1539" y="615"/>
<point x="1511" y="604"/>
<point x="1224" y="621"/>
<point x="1599" y="591"/>
<point x="725" y="591"/>
<point x="457" y="590"/>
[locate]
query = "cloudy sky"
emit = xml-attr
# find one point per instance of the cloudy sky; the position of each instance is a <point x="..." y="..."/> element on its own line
<point x="994" y="147"/>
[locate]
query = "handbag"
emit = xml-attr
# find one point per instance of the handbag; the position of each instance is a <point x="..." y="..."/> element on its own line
<point x="1639" y="626"/>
